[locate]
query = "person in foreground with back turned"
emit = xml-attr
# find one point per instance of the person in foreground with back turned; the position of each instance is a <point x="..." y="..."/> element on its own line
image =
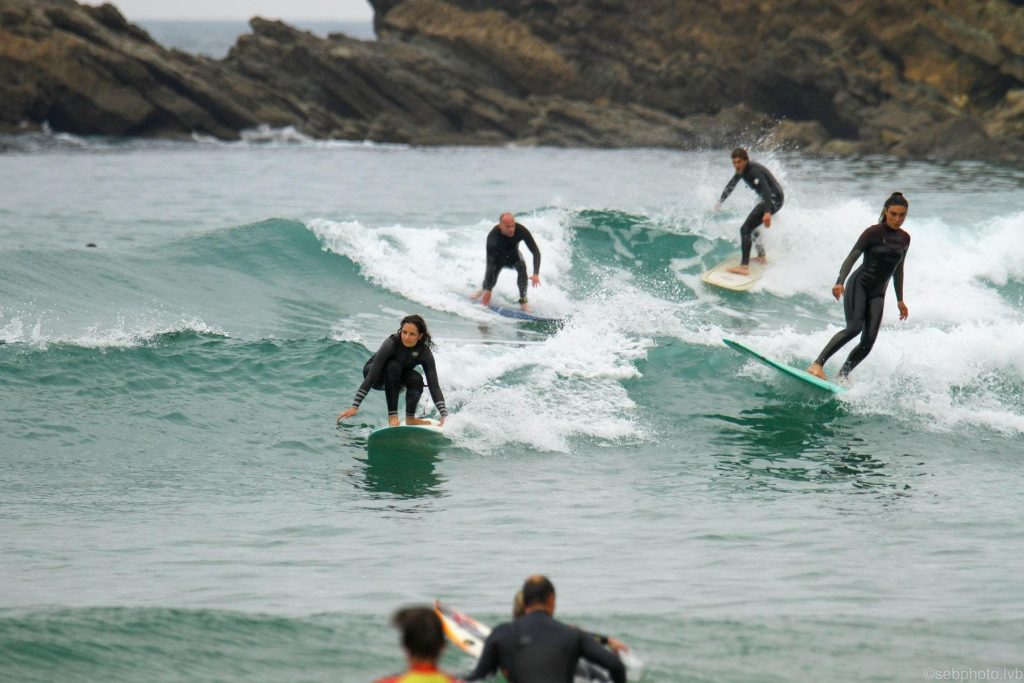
<point x="884" y="247"/>
<point x="391" y="369"/>
<point x="584" y="669"/>
<point x="760" y="180"/>
<point x="537" y="649"/>
<point x="422" y="640"/>
<point x="503" y="252"/>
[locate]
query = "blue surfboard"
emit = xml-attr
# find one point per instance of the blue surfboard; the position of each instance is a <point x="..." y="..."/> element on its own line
<point x="789" y="370"/>
<point x="519" y="314"/>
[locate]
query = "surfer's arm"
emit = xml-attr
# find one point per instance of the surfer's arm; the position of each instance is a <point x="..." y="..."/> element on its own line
<point x="729" y="188"/>
<point x="847" y="266"/>
<point x="531" y="244"/>
<point x="385" y="351"/>
<point x="492" y="244"/>
<point x="435" y="387"/>
<point x="488" y="662"/>
<point x="897" y="279"/>
<point x="593" y="652"/>
<point x="608" y="641"/>
<point x="862" y="243"/>
<point x="897" y="283"/>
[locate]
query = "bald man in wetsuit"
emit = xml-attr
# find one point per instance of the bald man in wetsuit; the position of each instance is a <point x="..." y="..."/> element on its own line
<point x="503" y="252"/>
<point x="537" y="649"/>
<point x="760" y="180"/>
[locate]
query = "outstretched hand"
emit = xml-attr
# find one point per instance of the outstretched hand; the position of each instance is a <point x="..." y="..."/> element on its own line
<point x="535" y="279"/>
<point x="767" y="220"/>
<point x="904" y="311"/>
<point x="348" y="412"/>
<point x="617" y="645"/>
<point x="837" y="291"/>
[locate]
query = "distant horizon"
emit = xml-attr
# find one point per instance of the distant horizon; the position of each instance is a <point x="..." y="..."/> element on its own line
<point x="243" y="10"/>
<point x="327" y="20"/>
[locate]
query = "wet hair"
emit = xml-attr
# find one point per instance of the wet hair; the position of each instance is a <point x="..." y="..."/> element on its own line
<point x="421" y="325"/>
<point x="518" y="609"/>
<point x="509" y="214"/>
<point x="536" y="590"/>
<point x="740" y="153"/>
<point x="422" y="632"/>
<point x="895" y="199"/>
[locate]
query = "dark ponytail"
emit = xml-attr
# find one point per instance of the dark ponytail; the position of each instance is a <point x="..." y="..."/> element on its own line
<point x="421" y="325"/>
<point x="897" y="199"/>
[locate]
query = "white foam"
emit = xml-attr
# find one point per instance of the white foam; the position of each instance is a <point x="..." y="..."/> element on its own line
<point x="967" y="375"/>
<point x="122" y="334"/>
<point x="439" y="268"/>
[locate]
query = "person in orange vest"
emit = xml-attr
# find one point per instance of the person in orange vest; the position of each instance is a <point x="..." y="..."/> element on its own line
<point x="422" y="640"/>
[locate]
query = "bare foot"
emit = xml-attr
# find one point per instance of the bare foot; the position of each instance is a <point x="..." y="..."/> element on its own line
<point x="485" y="299"/>
<point x="526" y="308"/>
<point x="393" y="421"/>
<point x="476" y="295"/>
<point x="740" y="270"/>
<point x="817" y="371"/>
<point x="760" y="259"/>
<point x="415" y="421"/>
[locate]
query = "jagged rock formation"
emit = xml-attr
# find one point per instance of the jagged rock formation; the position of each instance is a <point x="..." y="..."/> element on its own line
<point x="922" y="78"/>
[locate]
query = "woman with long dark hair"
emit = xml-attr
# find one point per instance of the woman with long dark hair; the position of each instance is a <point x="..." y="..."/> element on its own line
<point x="392" y="370"/>
<point x="884" y="247"/>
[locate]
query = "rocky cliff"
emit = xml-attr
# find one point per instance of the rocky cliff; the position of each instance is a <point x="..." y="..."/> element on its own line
<point x="920" y="78"/>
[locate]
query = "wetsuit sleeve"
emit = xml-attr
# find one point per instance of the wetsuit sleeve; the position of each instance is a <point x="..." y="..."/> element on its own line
<point x="730" y="187"/>
<point x="386" y="350"/>
<point x="488" y="662"/>
<point x="765" y="188"/>
<point x="427" y="361"/>
<point x="593" y="652"/>
<point x="492" y="244"/>
<point x="531" y="244"/>
<point x="858" y="249"/>
<point x="598" y="637"/>
<point x="897" y="279"/>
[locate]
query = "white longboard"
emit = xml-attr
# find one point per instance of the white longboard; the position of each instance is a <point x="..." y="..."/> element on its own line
<point x="407" y="436"/>
<point x="719" y="276"/>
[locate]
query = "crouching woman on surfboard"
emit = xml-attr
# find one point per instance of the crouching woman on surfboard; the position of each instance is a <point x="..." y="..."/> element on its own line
<point x="391" y="369"/>
<point x="884" y="247"/>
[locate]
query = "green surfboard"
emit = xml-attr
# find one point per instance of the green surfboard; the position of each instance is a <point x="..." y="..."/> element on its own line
<point x="795" y="373"/>
<point x="407" y="437"/>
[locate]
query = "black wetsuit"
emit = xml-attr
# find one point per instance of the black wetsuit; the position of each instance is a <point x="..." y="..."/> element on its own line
<point x="885" y="251"/>
<point x="503" y="252"/>
<point x="761" y="181"/>
<point x="537" y="649"/>
<point x="391" y="369"/>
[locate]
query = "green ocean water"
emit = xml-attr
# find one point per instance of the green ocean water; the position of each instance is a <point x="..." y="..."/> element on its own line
<point x="177" y="503"/>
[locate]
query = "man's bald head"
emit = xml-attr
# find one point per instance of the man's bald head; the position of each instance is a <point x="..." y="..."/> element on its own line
<point x="507" y="224"/>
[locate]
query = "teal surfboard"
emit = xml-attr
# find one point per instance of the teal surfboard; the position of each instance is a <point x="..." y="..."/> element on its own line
<point x="407" y="437"/>
<point x="795" y="373"/>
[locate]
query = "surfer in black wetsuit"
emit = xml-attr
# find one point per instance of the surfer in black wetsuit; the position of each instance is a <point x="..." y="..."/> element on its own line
<point x="761" y="181"/>
<point x="391" y="369"/>
<point x="584" y="669"/>
<point x="537" y="649"/>
<point x="503" y="252"/>
<point x="884" y="247"/>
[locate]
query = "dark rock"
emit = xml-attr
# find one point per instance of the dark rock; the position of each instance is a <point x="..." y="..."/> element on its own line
<point x="924" y="78"/>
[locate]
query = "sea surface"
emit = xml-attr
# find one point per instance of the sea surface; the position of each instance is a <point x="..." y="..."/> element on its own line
<point x="178" y="504"/>
<point x="215" y="38"/>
